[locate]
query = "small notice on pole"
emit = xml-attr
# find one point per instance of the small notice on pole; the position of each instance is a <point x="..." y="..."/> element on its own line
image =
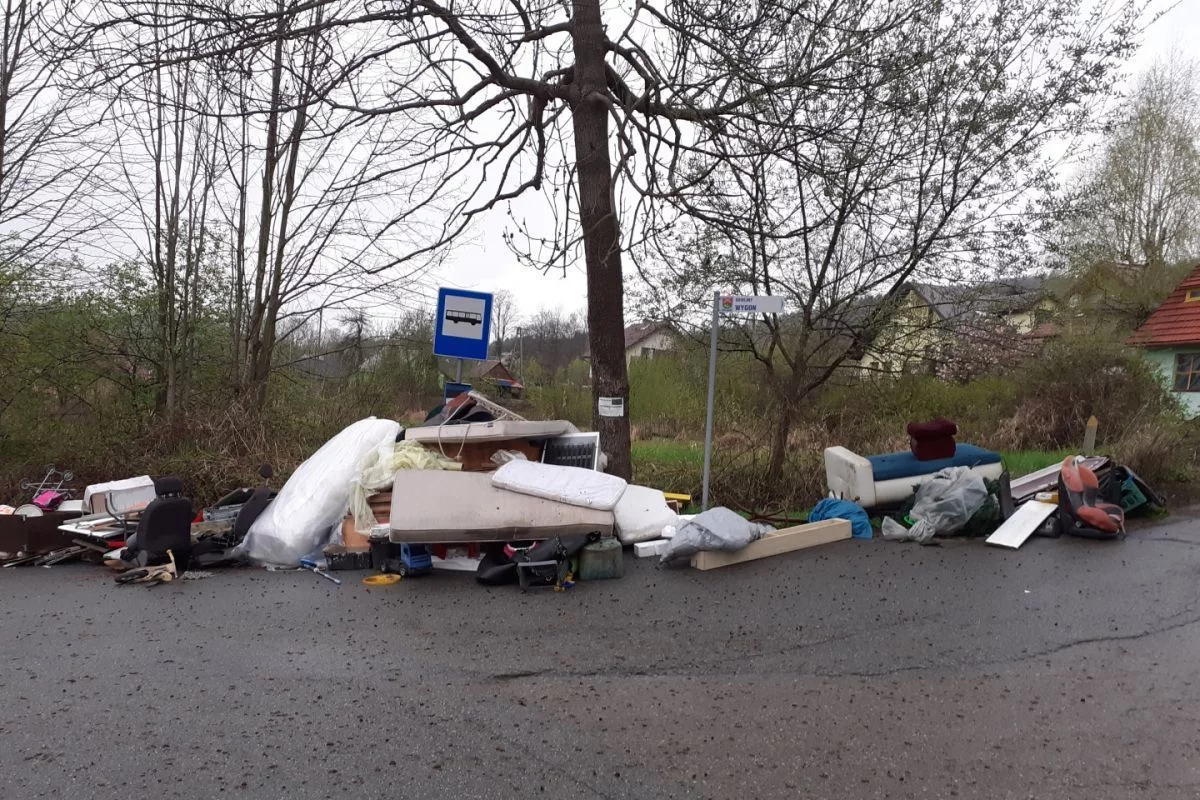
<point x="612" y="406"/>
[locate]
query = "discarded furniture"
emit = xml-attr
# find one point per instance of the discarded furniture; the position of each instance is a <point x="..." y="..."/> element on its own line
<point x="165" y="524"/>
<point x="1081" y="509"/>
<point x="474" y="443"/>
<point x="436" y="507"/>
<point x="882" y="479"/>
<point x="777" y="543"/>
<point x="119" y="497"/>
<point x="932" y="440"/>
<point x="30" y="535"/>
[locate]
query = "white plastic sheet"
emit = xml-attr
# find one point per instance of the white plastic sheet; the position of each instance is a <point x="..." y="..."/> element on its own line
<point x="572" y="485"/>
<point x="316" y="497"/>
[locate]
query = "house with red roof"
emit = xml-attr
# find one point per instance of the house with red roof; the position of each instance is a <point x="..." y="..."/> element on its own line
<point x="1170" y="338"/>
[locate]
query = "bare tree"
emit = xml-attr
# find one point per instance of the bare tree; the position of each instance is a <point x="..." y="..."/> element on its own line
<point x="302" y="230"/>
<point x="912" y="165"/>
<point x="43" y="116"/>
<point x="1140" y="205"/>
<point x="597" y="105"/>
<point x="504" y="315"/>
<point x="1135" y="214"/>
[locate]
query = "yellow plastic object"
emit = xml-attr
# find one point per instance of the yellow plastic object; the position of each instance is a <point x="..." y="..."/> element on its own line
<point x="676" y="496"/>
<point x="386" y="579"/>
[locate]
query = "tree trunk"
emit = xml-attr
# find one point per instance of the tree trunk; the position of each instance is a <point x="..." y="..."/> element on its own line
<point x="601" y="235"/>
<point x="781" y="428"/>
<point x="256" y="341"/>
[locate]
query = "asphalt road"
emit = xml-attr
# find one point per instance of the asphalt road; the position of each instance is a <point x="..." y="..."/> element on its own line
<point x="1069" y="669"/>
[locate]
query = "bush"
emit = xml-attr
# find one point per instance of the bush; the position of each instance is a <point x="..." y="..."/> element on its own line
<point x="1073" y="380"/>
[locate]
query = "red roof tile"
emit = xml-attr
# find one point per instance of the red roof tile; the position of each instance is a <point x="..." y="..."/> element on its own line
<point x="1047" y="330"/>
<point x="1176" y="321"/>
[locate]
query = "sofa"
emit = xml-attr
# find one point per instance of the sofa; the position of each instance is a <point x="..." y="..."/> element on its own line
<point x="891" y="477"/>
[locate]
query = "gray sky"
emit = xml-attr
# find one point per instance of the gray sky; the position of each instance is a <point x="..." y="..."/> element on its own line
<point x="486" y="264"/>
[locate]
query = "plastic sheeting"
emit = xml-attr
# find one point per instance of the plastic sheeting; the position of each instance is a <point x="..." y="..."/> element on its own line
<point x="715" y="529"/>
<point x="378" y="470"/>
<point x="642" y="514"/>
<point x="943" y="506"/>
<point x="829" y="508"/>
<point x="317" y="495"/>
<point x="572" y="485"/>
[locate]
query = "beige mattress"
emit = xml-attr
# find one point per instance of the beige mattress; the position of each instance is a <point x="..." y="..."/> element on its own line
<point x="490" y="431"/>
<point x="432" y="506"/>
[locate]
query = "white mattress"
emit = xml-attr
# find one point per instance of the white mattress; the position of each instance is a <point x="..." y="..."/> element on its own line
<point x="433" y="507"/>
<point x="123" y="495"/>
<point x="572" y="485"/>
<point x="496" y="431"/>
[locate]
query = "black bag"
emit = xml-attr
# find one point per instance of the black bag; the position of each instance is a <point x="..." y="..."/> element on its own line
<point x="495" y="568"/>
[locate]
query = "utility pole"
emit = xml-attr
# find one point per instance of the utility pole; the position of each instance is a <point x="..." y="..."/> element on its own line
<point x="521" y="348"/>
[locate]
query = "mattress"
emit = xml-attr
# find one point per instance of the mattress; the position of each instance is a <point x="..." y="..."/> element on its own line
<point x="498" y="430"/>
<point x="121" y="496"/>
<point x="433" y="507"/>
<point x="905" y="465"/>
<point x="573" y="485"/>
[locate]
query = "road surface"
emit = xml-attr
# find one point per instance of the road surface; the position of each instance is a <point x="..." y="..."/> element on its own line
<point x="1069" y="669"/>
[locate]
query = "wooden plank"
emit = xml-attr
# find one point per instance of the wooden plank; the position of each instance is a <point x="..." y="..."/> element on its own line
<point x="1021" y="525"/>
<point x="777" y="543"/>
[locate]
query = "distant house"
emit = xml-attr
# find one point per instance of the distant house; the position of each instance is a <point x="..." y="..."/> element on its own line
<point x="485" y="376"/>
<point x="645" y="340"/>
<point x="1170" y="340"/>
<point x="929" y="324"/>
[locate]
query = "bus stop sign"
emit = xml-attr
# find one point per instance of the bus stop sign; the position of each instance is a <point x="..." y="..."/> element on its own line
<point x="464" y="324"/>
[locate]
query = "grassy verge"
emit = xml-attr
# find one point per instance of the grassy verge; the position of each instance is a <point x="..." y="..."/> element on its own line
<point x="1023" y="462"/>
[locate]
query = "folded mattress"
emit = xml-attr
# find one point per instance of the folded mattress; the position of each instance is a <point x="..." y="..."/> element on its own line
<point x="432" y="507"/>
<point x="496" y="431"/>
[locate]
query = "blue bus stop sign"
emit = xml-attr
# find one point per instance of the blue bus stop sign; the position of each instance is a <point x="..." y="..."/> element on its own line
<point x="464" y="324"/>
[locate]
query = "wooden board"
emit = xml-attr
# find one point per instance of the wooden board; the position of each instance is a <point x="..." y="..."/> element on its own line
<point x="1021" y="525"/>
<point x="777" y="543"/>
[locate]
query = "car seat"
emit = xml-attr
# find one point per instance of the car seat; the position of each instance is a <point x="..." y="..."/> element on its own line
<point x="1081" y="510"/>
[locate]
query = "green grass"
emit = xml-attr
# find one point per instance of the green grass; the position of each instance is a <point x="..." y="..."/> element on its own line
<point x="1023" y="462"/>
<point x="669" y="452"/>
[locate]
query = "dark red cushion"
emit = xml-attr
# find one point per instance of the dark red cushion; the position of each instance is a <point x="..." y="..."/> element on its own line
<point x="932" y="449"/>
<point x="932" y="440"/>
<point x="934" y="429"/>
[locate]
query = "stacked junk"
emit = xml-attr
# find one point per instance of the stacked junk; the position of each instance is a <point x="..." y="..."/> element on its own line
<point x="478" y="488"/>
<point x="475" y="487"/>
<point x="941" y="488"/>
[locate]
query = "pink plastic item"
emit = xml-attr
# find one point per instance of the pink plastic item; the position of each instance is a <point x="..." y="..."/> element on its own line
<point x="48" y="500"/>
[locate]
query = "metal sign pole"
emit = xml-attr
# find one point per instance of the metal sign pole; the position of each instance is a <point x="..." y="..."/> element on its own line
<point x="458" y="372"/>
<point x="712" y="390"/>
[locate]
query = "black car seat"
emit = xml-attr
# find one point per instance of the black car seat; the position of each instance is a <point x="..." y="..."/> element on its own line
<point x="165" y="524"/>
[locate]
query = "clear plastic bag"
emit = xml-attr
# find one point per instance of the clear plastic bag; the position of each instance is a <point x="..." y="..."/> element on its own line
<point x="378" y="470"/>
<point x="943" y="505"/>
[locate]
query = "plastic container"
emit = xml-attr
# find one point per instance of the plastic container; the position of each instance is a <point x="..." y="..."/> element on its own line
<point x="601" y="560"/>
